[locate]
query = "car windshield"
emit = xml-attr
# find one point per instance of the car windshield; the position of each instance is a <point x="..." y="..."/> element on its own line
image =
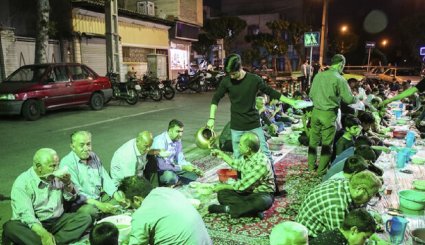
<point x="27" y="74"/>
<point x="407" y="72"/>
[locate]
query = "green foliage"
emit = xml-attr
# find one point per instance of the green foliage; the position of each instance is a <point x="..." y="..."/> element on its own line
<point x="296" y="32"/>
<point x="249" y="56"/>
<point x="203" y="45"/>
<point x="226" y="28"/>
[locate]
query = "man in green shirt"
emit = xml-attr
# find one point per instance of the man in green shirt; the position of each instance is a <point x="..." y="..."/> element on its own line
<point x="38" y="215"/>
<point x="327" y="91"/>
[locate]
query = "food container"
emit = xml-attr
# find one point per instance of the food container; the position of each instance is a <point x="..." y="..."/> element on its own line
<point x="418" y="236"/>
<point x="399" y="134"/>
<point x="412" y="199"/>
<point x="419" y="185"/>
<point x="224" y="174"/>
<point x="122" y="222"/>
<point x="275" y="144"/>
<point x="418" y="160"/>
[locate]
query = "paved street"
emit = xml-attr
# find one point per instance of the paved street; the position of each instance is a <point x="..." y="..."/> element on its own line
<point x="111" y="127"/>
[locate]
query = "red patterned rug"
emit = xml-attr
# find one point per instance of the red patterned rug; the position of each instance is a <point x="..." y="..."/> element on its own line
<point x="224" y="230"/>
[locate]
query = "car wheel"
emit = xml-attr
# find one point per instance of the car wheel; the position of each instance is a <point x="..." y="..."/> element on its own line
<point x="31" y="110"/>
<point x="97" y="101"/>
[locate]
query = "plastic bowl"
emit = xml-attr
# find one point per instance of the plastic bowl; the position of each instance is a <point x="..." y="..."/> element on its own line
<point x="419" y="185"/>
<point x="418" y="160"/>
<point x="411" y="199"/>
<point x="418" y="236"/>
<point x="275" y="145"/>
<point x="399" y="134"/>
<point x="224" y="174"/>
<point x="122" y="222"/>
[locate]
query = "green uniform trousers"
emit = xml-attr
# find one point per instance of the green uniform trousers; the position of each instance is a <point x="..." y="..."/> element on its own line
<point x="323" y="129"/>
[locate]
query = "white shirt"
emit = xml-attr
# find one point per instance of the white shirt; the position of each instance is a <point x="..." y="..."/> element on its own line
<point x="127" y="161"/>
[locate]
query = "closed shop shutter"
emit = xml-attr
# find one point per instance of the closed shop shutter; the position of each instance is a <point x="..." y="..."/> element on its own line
<point x="93" y="54"/>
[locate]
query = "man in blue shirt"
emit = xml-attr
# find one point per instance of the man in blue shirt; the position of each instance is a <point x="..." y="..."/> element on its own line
<point x="173" y="166"/>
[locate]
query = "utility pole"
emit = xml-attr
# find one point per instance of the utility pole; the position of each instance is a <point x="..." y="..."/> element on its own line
<point x="323" y="32"/>
<point x="113" y="63"/>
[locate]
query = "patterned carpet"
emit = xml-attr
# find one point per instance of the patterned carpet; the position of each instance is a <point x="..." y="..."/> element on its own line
<point x="291" y="172"/>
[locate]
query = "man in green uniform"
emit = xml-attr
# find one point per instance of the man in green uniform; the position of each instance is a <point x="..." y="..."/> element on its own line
<point x="327" y="91"/>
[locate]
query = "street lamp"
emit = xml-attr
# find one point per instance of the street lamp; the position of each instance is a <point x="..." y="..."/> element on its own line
<point x="344" y="29"/>
<point x="384" y="42"/>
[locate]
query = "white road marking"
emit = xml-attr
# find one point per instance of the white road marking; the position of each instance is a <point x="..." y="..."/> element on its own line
<point x="113" y="119"/>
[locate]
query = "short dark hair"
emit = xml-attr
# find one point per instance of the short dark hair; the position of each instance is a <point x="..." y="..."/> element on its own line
<point x="252" y="141"/>
<point x="135" y="186"/>
<point x="366" y="152"/>
<point x="174" y="123"/>
<point x="354" y="164"/>
<point x="104" y="233"/>
<point x="366" y="117"/>
<point x="232" y="63"/>
<point x="361" y="219"/>
<point x="338" y="58"/>
<point x="297" y="93"/>
<point x="350" y="121"/>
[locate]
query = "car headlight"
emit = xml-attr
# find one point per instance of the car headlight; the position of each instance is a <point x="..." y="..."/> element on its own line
<point x="7" y="97"/>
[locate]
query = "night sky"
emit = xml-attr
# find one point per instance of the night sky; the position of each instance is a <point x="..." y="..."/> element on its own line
<point x="382" y="24"/>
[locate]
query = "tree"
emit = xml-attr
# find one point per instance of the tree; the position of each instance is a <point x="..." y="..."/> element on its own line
<point x="203" y="45"/>
<point x="296" y="32"/>
<point x="42" y="37"/>
<point x="346" y="43"/>
<point x="226" y="28"/>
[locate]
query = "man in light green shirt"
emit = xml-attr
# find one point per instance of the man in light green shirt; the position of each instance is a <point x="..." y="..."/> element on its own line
<point x="37" y="205"/>
<point x="90" y="177"/>
<point x="327" y="91"/>
<point x="163" y="215"/>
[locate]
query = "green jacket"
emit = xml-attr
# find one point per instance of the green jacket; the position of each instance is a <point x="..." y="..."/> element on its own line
<point x="328" y="89"/>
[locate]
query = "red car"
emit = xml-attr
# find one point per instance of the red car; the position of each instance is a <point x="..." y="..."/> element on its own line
<point x="33" y="89"/>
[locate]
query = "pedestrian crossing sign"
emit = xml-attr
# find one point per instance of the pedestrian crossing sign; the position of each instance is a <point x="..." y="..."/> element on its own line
<point x="312" y="39"/>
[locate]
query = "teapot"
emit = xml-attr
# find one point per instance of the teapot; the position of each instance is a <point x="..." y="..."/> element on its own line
<point x="205" y="138"/>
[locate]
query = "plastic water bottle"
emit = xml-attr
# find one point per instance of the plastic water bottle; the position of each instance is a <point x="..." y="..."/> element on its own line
<point x="410" y="139"/>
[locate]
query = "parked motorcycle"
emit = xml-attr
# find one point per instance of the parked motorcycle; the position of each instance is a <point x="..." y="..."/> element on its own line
<point x="123" y="90"/>
<point x="213" y="79"/>
<point x="150" y="88"/>
<point x="167" y="90"/>
<point x="194" y="82"/>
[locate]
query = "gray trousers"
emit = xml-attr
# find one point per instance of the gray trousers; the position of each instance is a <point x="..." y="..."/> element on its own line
<point x="66" y="229"/>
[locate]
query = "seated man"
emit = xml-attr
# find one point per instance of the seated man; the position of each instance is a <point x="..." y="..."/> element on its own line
<point x="136" y="158"/>
<point x="364" y="151"/>
<point x="326" y="205"/>
<point x="163" y="215"/>
<point x="90" y="177"/>
<point x="253" y="193"/>
<point x="289" y="232"/>
<point x="38" y="215"/>
<point x="357" y="227"/>
<point x="353" y="165"/>
<point x="174" y="166"/>
<point x="104" y="233"/>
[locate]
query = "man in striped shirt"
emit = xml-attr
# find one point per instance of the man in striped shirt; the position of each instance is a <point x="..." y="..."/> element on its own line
<point x="253" y="193"/>
<point x="326" y="206"/>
